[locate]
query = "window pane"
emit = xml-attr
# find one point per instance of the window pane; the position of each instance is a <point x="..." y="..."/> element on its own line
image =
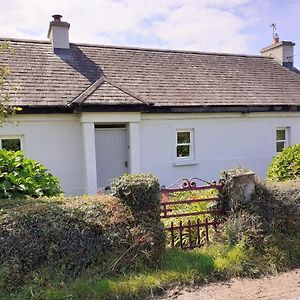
<point x="279" y="146"/>
<point x="280" y="134"/>
<point x="11" y="144"/>
<point x="183" y="137"/>
<point x="183" y="151"/>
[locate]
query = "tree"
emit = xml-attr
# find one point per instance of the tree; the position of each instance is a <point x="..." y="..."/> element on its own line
<point x="5" y="108"/>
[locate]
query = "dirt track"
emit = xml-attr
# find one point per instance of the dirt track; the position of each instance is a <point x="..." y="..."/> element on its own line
<point x="285" y="286"/>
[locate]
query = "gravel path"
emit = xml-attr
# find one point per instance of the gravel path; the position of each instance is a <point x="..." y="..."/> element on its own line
<point x="284" y="286"/>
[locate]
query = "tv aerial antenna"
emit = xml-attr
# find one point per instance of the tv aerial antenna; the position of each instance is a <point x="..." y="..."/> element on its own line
<point x="274" y="29"/>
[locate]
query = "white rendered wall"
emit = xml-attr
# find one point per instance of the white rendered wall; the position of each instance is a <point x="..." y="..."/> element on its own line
<point x="56" y="142"/>
<point x="222" y="141"/>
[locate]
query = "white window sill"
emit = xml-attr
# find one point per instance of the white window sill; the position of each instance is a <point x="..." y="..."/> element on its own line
<point x="188" y="162"/>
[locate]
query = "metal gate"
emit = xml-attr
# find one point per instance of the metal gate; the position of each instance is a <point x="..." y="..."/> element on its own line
<point x="190" y="209"/>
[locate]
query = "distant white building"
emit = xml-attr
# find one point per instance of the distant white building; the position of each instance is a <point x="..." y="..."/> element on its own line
<point x="91" y="113"/>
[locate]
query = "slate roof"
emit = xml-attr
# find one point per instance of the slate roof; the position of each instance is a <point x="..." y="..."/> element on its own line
<point x="93" y="75"/>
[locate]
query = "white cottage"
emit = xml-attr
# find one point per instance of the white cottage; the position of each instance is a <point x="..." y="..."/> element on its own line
<point x="91" y="112"/>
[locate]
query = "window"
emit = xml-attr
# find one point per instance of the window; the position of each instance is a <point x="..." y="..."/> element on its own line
<point x="13" y="144"/>
<point x="184" y="144"/>
<point x="282" y="138"/>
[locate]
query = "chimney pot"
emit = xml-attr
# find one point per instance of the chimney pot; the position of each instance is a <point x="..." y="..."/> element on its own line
<point x="276" y="39"/>
<point x="57" y="17"/>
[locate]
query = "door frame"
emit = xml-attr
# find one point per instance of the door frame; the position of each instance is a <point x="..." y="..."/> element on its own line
<point x="88" y="120"/>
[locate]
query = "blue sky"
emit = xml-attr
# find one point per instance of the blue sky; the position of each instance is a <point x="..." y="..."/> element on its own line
<point x="232" y="26"/>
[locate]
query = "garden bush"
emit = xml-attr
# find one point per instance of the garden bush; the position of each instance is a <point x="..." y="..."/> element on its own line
<point x="141" y="193"/>
<point x="268" y="226"/>
<point x="70" y="234"/>
<point x="21" y="177"/>
<point x="286" y="164"/>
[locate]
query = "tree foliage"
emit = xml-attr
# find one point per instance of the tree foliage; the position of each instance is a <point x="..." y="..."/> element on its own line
<point x="286" y="164"/>
<point x="5" y="108"/>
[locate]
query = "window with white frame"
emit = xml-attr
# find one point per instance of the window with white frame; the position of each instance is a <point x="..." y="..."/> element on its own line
<point x="11" y="143"/>
<point x="184" y="144"/>
<point x="282" y="138"/>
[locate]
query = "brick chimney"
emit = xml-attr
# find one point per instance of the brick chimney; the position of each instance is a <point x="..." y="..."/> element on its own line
<point x="283" y="52"/>
<point x="59" y="33"/>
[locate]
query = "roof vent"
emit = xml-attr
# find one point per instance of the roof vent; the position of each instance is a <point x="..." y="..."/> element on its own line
<point x="59" y="33"/>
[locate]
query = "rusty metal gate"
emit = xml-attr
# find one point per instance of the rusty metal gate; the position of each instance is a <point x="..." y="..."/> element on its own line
<point x="190" y="209"/>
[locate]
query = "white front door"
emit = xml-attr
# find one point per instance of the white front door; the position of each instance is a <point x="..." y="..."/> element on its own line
<point x="111" y="154"/>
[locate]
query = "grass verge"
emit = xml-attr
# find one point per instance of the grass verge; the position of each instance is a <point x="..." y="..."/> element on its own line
<point x="177" y="267"/>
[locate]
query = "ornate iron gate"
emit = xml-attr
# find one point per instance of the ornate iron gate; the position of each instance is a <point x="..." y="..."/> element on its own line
<point x="184" y="227"/>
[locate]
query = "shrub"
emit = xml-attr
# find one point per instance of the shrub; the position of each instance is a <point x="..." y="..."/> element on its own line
<point x="268" y="225"/>
<point x="21" y="177"/>
<point x="241" y="226"/>
<point x="141" y="193"/>
<point x="285" y="165"/>
<point x="278" y="205"/>
<point x="71" y="233"/>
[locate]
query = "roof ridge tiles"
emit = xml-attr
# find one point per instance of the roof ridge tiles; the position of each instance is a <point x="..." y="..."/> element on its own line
<point x="135" y="48"/>
<point x="8" y="39"/>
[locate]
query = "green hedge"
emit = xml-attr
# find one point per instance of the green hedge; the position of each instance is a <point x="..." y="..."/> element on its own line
<point x="286" y="165"/>
<point x="141" y="193"/>
<point x="21" y="177"/>
<point x="71" y="234"/>
<point x="269" y="227"/>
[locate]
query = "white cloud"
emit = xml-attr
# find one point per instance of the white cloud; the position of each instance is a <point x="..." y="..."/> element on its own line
<point x="206" y="25"/>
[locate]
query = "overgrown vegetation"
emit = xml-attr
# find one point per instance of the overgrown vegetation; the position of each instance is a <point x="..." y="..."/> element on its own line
<point x="286" y="164"/>
<point x="260" y="237"/>
<point x="22" y="177"/>
<point x="141" y="194"/>
<point x="48" y="238"/>
<point x="268" y="228"/>
<point x="5" y="108"/>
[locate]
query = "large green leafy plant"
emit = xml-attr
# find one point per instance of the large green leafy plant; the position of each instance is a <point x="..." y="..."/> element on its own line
<point x="286" y="164"/>
<point x="21" y="177"/>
